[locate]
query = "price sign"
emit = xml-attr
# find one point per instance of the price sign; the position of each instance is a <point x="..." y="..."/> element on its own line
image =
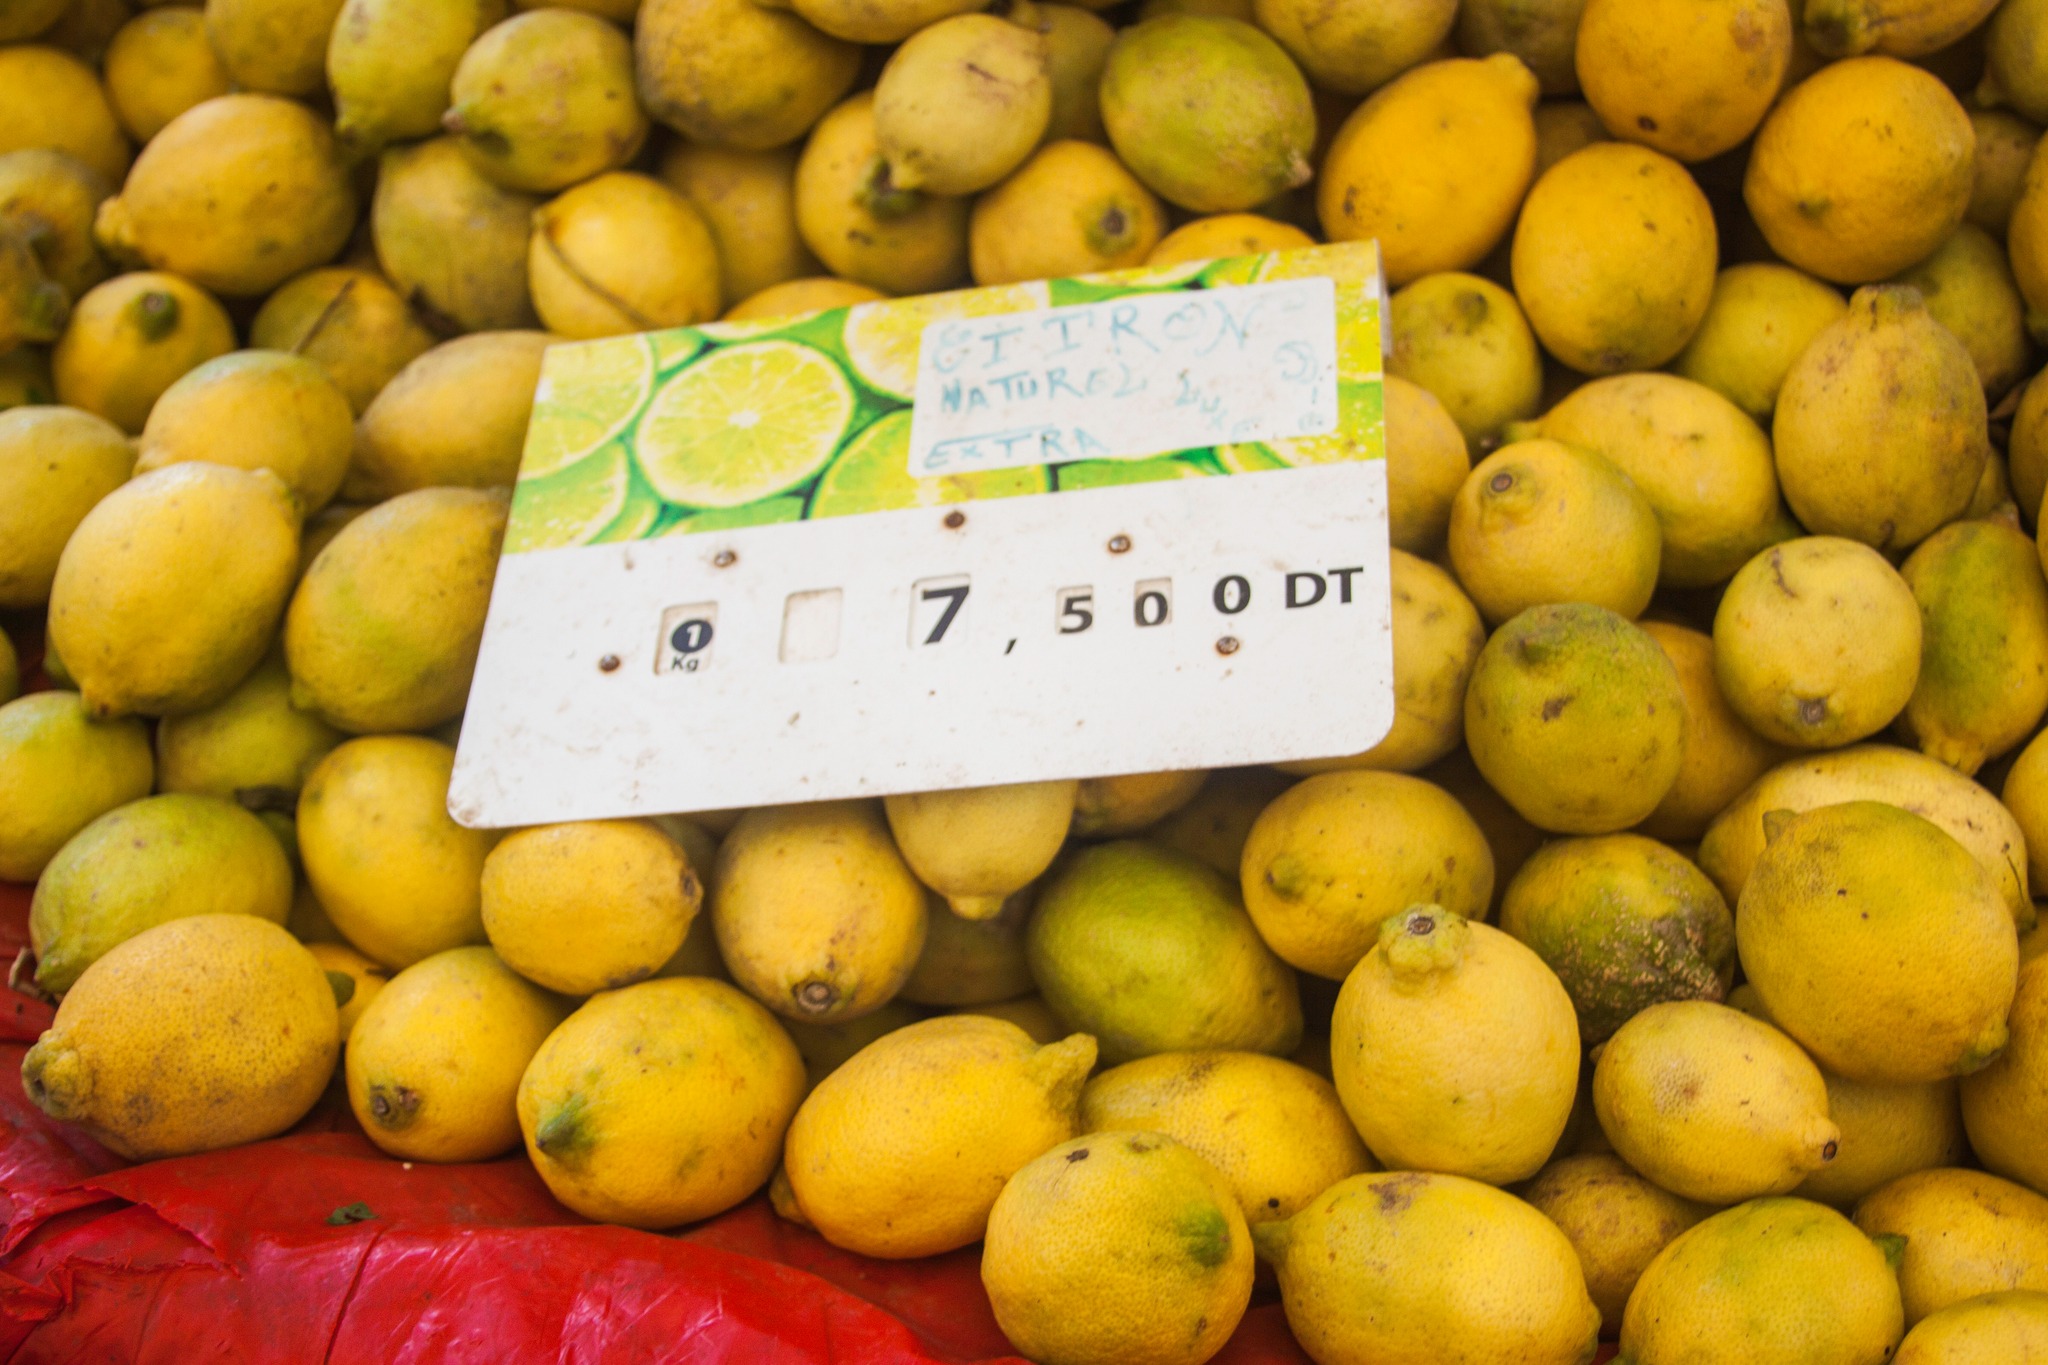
<point x="1118" y="524"/>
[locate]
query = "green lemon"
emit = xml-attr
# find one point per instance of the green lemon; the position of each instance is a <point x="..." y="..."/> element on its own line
<point x="587" y="395"/>
<point x="744" y="423"/>
<point x="882" y="338"/>
<point x="873" y="475"/>
<point x="571" y="507"/>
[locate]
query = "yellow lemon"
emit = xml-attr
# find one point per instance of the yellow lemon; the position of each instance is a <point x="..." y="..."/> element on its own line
<point x="1542" y="33"/>
<point x="1984" y="642"/>
<point x="1214" y="826"/>
<point x="364" y="980"/>
<point x="453" y="243"/>
<point x="347" y="320"/>
<point x="1969" y="288"/>
<point x="57" y="463"/>
<point x="1427" y="462"/>
<point x="1352" y="51"/>
<point x="2005" y="143"/>
<point x="792" y="298"/>
<point x="1987" y="1330"/>
<point x="1966" y="1233"/>
<point x="1465" y="340"/>
<point x="256" y="410"/>
<point x="864" y="227"/>
<point x="545" y="100"/>
<point x="737" y="74"/>
<point x="2005" y="1103"/>
<point x="621" y="253"/>
<point x="1616" y="1220"/>
<point x="453" y="417"/>
<point x="972" y="961"/>
<point x="977" y="845"/>
<point x="1072" y="209"/>
<point x="1723" y="756"/>
<point x="1760" y="320"/>
<point x="748" y="201"/>
<point x="130" y="338"/>
<point x="1691" y="79"/>
<point x="53" y="100"/>
<point x="59" y="771"/>
<point x="1225" y="234"/>
<point x="275" y="46"/>
<point x="1108" y="806"/>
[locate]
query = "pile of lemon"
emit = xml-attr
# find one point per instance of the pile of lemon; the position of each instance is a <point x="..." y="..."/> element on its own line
<point x="1669" y="972"/>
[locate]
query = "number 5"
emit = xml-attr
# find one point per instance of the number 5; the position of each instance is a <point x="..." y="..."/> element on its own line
<point x="1074" y="614"/>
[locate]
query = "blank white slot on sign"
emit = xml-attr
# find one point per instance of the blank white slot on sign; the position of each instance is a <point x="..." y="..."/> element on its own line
<point x="810" y="625"/>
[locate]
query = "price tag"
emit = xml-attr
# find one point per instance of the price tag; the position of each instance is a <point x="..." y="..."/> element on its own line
<point x="1118" y="524"/>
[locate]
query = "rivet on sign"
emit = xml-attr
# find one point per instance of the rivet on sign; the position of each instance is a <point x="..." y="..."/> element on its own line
<point x="955" y="520"/>
<point x="1118" y="544"/>
<point x="1227" y="645"/>
<point x="724" y="559"/>
<point x="608" y="664"/>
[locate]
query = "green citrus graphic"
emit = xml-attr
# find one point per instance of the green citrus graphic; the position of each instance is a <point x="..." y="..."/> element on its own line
<point x="587" y="394"/>
<point x="1251" y="458"/>
<point x="1358" y="437"/>
<point x="672" y="348"/>
<point x="882" y="337"/>
<point x="572" y="507"/>
<point x="1110" y="473"/>
<point x="767" y="512"/>
<point x="635" y="521"/>
<point x="744" y="423"/>
<point x="873" y="475"/>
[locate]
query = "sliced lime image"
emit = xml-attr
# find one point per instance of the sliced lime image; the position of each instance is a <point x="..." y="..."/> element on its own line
<point x="1358" y="437"/>
<point x="767" y="512"/>
<point x="635" y="521"/>
<point x="1359" y="354"/>
<point x="873" y="475"/>
<point x="572" y="506"/>
<point x="672" y="348"/>
<point x="1344" y="262"/>
<point x="743" y="423"/>
<point x="1117" y="284"/>
<point x="882" y="338"/>
<point x="1231" y="270"/>
<point x="1111" y="473"/>
<point x="587" y="394"/>
<point x="742" y="329"/>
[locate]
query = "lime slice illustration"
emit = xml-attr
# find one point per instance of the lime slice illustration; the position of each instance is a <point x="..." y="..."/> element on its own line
<point x="1110" y="473"/>
<point x="743" y="423"/>
<point x="1344" y="262"/>
<point x="873" y="475"/>
<point x="768" y="512"/>
<point x="882" y="338"/>
<point x="571" y="507"/>
<point x="672" y="348"/>
<point x="1358" y="437"/>
<point x="637" y="519"/>
<point x="586" y="396"/>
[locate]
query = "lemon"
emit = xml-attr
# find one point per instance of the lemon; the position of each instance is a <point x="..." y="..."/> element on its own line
<point x="1817" y="642"/>
<point x="1723" y="756"/>
<point x="1861" y="170"/>
<point x="1691" y="79"/>
<point x="57" y="464"/>
<point x="251" y="746"/>
<point x="1970" y="814"/>
<point x="59" y="771"/>
<point x="1880" y="428"/>
<point x="256" y="410"/>
<point x="347" y="320"/>
<point x="25" y="378"/>
<point x="1616" y="1220"/>
<point x="452" y="242"/>
<point x="1969" y="289"/>
<point x="201" y="1033"/>
<point x="1903" y="28"/>
<point x="1983" y="683"/>
<point x="862" y="225"/>
<point x="1027" y="1012"/>
<point x="1772" y="1279"/>
<point x="1354" y="51"/>
<point x="2016" y="61"/>
<point x="1541" y="32"/>
<point x="1761" y="318"/>
<point x="1105" y="807"/>
<point x="1071" y="209"/>
<point x="1275" y="1131"/>
<point x="1334" y="856"/>
<point x="872" y="474"/>
<point x="2027" y="451"/>
<point x="129" y="340"/>
<point x="436" y="1056"/>
<point x="1427" y="462"/>
<point x="1221" y="235"/>
<point x="53" y="100"/>
<point x="882" y="341"/>
<point x="1123" y="1247"/>
<point x="572" y="506"/>
<point x="903" y="1150"/>
<point x="827" y="1047"/>
<point x="972" y="961"/>
<point x="963" y="102"/>
<point x="545" y="100"/>
<point x="1887" y="1131"/>
<point x="795" y="298"/>
<point x="2005" y="1103"/>
<point x="1214" y="827"/>
<point x="661" y="1103"/>
<point x="816" y="913"/>
<point x="1614" y="258"/>
<point x="1576" y="717"/>
<point x="1429" y="1081"/>
<point x="1150" y="951"/>
<point x="1989" y="1328"/>
<point x="384" y="629"/>
<point x="363" y="978"/>
<point x="539" y="884"/>
<point x="1540" y="521"/>
<point x="976" y="846"/>
<point x="1433" y="165"/>
<point x="1702" y="465"/>
<point x="398" y="876"/>
<point x="1862" y="914"/>
<point x="1711" y="1104"/>
<point x="274" y="47"/>
<point x="738" y="74"/>
<point x="1407" y="1266"/>
<point x="159" y="64"/>
<point x="1077" y="47"/>
<point x="146" y="863"/>
<point x="744" y="423"/>
<point x="1966" y="1233"/>
<point x="389" y="65"/>
<point x="1437" y="639"/>
<point x="168" y="592"/>
<point x="1625" y="922"/>
<point x="2005" y="143"/>
<point x="50" y="199"/>
<point x="748" y="200"/>
<point x="1463" y="338"/>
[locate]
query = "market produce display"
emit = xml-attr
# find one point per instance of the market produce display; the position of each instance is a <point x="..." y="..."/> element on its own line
<point x="1668" y="977"/>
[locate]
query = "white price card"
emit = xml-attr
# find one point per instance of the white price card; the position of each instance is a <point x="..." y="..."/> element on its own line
<point x="1125" y="523"/>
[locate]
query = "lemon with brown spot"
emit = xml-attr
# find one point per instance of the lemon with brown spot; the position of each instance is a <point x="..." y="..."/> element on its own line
<point x="1406" y="1266"/>
<point x="861" y="224"/>
<point x="621" y="253"/>
<point x="1072" y="209"/>
<point x="1463" y="338"/>
<point x="539" y="886"/>
<point x="661" y="1103"/>
<point x="1616" y="1220"/>
<point x="1118" y="1247"/>
<point x="1966" y="1233"/>
<point x="1690" y="79"/>
<point x="129" y="340"/>
<point x="903" y="1150"/>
